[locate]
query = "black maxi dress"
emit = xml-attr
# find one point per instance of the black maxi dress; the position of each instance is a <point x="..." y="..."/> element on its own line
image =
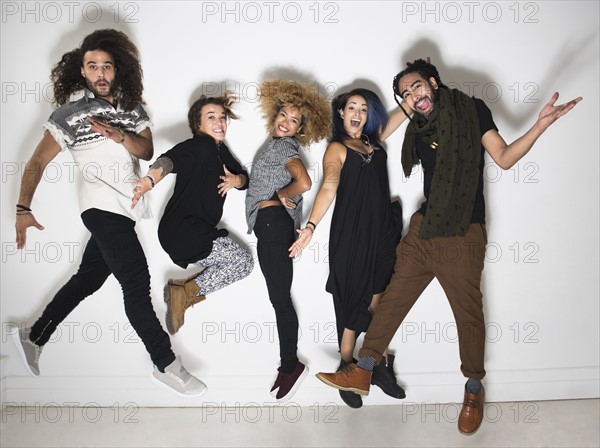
<point x="365" y="230"/>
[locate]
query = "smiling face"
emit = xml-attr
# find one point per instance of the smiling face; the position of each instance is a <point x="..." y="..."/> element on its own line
<point x="99" y="72"/>
<point x="213" y="121"/>
<point x="288" y="122"/>
<point x="355" y="115"/>
<point x="418" y="93"/>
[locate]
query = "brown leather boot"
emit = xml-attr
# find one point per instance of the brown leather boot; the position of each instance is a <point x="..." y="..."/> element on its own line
<point x="179" y="296"/>
<point x="350" y="398"/>
<point x="471" y="414"/>
<point x="351" y="378"/>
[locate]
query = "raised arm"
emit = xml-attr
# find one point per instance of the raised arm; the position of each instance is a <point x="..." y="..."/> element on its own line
<point x="507" y="155"/>
<point x="140" y="145"/>
<point x="45" y="151"/>
<point x="395" y="119"/>
<point x="333" y="161"/>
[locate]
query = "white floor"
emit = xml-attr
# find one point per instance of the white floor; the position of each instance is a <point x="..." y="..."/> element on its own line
<point x="573" y="423"/>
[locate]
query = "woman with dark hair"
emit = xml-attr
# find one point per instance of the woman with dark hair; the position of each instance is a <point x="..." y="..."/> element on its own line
<point x="206" y="170"/>
<point x="296" y="115"/>
<point x="365" y="227"/>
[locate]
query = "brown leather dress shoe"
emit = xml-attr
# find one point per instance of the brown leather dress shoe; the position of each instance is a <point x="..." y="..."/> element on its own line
<point x="351" y="378"/>
<point x="471" y="414"/>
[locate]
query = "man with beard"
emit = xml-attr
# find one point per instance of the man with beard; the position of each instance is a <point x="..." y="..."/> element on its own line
<point x="447" y="236"/>
<point x="107" y="131"/>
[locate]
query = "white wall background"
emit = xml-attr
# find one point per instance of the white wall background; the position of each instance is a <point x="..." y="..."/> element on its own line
<point x="541" y="279"/>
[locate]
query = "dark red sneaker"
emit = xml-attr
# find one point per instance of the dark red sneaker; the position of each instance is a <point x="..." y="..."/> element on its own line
<point x="287" y="384"/>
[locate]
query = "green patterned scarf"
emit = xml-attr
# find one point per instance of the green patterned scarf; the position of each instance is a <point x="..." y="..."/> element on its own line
<point x="454" y="126"/>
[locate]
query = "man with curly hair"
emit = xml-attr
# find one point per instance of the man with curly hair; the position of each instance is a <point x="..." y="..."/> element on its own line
<point x="447" y="135"/>
<point x="106" y="128"/>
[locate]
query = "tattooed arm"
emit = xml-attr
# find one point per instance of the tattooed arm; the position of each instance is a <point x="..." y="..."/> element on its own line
<point x="157" y="172"/>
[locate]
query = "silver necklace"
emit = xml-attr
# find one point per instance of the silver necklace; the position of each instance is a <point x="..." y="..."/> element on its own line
<point x="364" y="139"/>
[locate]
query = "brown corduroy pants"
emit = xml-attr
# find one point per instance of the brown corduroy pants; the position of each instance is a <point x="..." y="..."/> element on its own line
<point x="457" y="263"/>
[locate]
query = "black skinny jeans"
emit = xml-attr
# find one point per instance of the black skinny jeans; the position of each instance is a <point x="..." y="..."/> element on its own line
<point x="275" y="233"/>
<point x="113" y="248"/>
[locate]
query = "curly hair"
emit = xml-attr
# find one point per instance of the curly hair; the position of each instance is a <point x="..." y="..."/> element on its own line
<point x="314" y="108"/>
<point x="195" y="113"/>
<point x="66" y="75"/>
<point x="377" y="116"/>
<point x="424" y="68"/>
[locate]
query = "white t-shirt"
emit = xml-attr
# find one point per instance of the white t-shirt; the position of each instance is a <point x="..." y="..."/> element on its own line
<point x="108" y="171"/>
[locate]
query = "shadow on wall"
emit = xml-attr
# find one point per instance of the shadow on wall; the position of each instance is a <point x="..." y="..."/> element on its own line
<point x="532" y="95"/>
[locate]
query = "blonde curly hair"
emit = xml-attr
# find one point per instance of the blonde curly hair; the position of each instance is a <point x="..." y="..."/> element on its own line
<point x="314" y="108"/>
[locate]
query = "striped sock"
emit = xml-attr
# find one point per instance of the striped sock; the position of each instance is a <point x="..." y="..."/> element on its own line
<point x="366" y="363"/>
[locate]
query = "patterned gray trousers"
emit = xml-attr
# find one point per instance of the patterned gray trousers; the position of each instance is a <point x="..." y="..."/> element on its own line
<point x="227" y="263"/>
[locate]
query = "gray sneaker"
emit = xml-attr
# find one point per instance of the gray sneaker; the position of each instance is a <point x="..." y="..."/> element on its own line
<point x="30" y="352"/>
<point x="176" y="378"/>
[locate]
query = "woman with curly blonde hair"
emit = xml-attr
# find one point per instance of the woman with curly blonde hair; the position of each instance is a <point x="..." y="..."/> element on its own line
<point x="296" y="116"/>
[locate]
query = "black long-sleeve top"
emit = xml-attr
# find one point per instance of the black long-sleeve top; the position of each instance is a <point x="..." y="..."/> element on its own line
<point x="188" y="226"/>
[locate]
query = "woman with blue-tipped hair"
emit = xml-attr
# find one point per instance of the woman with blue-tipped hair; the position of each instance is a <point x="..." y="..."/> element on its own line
<point x="366" y="226"/>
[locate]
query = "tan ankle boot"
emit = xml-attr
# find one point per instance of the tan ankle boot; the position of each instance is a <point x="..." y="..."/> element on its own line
<point x="180" y="295"/>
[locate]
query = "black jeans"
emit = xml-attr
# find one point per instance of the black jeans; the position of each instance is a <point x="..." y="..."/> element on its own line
<point x="275" y="233"/>
<point x="113" y="248"/>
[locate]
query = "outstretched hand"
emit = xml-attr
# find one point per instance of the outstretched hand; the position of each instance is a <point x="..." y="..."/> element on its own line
<point x="23" y="222"/>
<point x="550" y="113"/>
<point x="140" y="188"/>
<point x="302" y="241"/>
